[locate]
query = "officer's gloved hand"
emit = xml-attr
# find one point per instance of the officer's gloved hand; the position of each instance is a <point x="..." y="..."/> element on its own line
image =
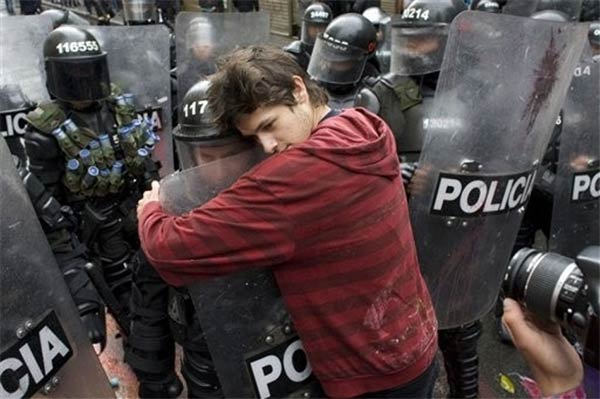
<point x="95" y="325"/>
<point x="407" y="170"/>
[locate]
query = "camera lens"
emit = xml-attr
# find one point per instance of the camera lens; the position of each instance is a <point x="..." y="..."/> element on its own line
<point x="548" y="284"/>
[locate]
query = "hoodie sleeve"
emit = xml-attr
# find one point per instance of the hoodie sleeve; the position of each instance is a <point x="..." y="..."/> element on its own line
<point x="243" y="227"/>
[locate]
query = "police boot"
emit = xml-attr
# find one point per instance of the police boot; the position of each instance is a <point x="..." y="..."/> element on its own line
<point x="459" y="347"/>
<point x="150" y="348"/>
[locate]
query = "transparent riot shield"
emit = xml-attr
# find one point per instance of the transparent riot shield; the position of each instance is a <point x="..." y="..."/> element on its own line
<point x="491" y="120"/>
<point x="201" y="38"/>
<point x="138" y="61"/>
<point x="247" y="327"/>
<point x="44" y="347"/>
<point x="577" y="185"/>
<point x="524" y="8"/>
<point x="22" y="76"/>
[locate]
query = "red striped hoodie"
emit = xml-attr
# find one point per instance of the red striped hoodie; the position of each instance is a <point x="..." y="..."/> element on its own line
<point x="330" y="217"/>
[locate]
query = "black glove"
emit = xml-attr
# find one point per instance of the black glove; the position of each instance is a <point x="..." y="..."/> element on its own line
<point x="95" y="324"/>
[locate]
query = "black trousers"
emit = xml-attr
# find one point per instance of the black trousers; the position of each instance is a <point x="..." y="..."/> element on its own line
<point x="420" y="387"/>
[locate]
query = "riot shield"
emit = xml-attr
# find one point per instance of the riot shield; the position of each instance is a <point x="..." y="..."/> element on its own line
<point x="44" y="347"/>
<point x="23" y="79"/>
<point x="138" y="61"/>
<point x="201" y="38"/>
<point x="247" y="328"/>
<point x="484" y="140"/>
<point x="577" y="185"/>
<point x="524" y="8"/>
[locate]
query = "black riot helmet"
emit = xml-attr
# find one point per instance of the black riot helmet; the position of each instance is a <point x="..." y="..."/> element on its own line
<point x="139" y="12"/>
<point x="63" y="17"/>
<point x="571" y="8"/>
<point x="196" y="131"/>
<point x="419" y="36"/>
<point x="341" y="52"/>
<point x="594" y="34"/>
<point x="488" y="6"/>
<point x="314" y="22"/>
<point x="58" y="17"/>
<point x="380" y="20"/>
<point x="76" y="66"/>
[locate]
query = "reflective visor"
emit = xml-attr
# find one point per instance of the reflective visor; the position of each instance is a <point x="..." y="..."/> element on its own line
<point x="79" y="79"/>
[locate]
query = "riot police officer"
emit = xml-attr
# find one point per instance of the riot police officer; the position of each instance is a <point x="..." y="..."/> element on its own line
<point x="418" y="44"/>
<point x="381" y="22"/>
<point x="314" y="21"/>
<point x="90" y="152"/>
<point x="340" y="59"/>
<point x="167" y="312"/>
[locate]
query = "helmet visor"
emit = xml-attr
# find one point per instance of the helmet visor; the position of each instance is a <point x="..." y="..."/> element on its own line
<point x="334" y="63"/>
<point x="194" y="153"/>
<point x="79" y="79"/>
<point x="418" y="50"/>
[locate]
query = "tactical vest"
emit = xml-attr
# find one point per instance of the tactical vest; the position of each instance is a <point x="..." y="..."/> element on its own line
<point x="96" y="163"/>
<point x="394" y="95"/>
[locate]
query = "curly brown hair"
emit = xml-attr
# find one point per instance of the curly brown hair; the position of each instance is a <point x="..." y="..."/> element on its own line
<point x="254" y="77"/>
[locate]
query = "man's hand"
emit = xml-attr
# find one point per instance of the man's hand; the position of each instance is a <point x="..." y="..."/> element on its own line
<point x="555" y="364"/>
<point x="149" y="196"/>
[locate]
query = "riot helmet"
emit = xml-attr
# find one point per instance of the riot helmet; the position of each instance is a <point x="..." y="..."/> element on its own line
<point x="550" y="15"/>
<point x="198" y="140"/>
<point x="594" y="35"/>
<point x="380" y="21"/>
<point x="64" y="17"/>
<point x="419" y="35"/>
<point x="76" y="66"/>
<point x="139" y="12"/>
<point x="58" y="17"/>
<point x="488" y="6"/>
<point x="12" y="98"/>
<point x="341" y="52"/>
<point x="314" y="22"/>
<point x="571" y="8"/>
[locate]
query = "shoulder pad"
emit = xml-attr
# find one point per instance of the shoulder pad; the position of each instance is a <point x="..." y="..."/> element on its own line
<point x="294" y="47"/>
<point x="366" y="98"/>
<point x="46" y="117"/>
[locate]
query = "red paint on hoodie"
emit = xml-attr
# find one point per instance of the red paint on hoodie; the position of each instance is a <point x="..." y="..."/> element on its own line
<point x="330" y="217"/>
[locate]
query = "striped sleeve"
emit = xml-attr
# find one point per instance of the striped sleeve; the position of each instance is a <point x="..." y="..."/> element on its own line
<point x="243" y="227"/>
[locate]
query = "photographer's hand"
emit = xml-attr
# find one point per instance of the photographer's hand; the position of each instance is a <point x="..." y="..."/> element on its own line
<point x="555" y="364"/>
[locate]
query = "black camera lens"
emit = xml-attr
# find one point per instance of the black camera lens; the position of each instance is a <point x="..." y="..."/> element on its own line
<point x="549" y="285"/>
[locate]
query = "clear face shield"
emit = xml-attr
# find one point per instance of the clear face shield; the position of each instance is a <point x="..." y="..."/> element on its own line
<point x="418" y="50"/>
<point x="336" y="63"/>
<point x="211" y="170"/>
<point x="193" y="152"/>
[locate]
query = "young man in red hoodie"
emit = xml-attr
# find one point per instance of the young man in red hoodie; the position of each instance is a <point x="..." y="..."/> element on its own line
<point x="327" y="212"/>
